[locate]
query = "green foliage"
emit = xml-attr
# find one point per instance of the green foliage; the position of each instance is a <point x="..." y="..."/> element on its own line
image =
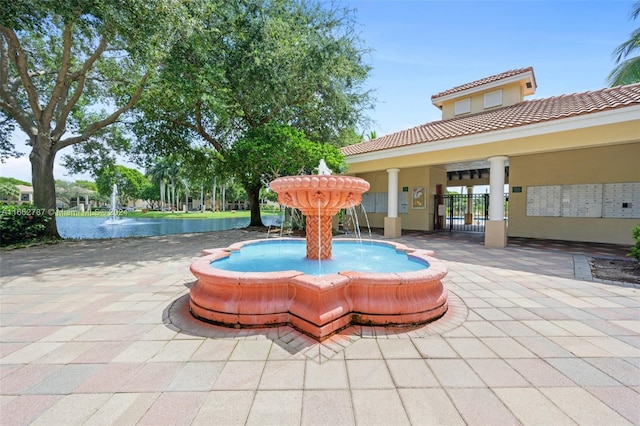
<point x="130" y="182"/>
<point x="21" y="223"/>
<point x="150" y="192"/>
<point x="7" y="148"/>
<point x="635" y="250"/>
<point x="235" y="192"/>
<point x="627" y="70"/>
<point x="256" y="61"/>
<point x="14" y="181"/>
<point x="9" y="192"/>
<point x="201" y="165"/>
<point x="87" y="184"/>
<point x="275" y="150"/>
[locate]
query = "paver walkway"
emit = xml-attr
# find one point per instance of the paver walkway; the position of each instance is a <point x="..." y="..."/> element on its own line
<point x="98" y="332"/>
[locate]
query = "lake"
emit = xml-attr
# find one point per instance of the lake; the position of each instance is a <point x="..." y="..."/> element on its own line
<point x="101" y="227"/>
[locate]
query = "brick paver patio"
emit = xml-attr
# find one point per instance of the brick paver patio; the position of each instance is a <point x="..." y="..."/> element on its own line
<point x="98" y="332"/>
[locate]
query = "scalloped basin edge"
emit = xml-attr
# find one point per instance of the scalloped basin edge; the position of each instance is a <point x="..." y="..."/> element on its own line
<point x="318" y="306"/>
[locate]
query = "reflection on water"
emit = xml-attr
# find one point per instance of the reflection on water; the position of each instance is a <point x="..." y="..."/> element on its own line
<point x="100" y="227"/>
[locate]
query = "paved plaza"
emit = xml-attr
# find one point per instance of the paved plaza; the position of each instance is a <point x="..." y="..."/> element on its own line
<point x="99" y="333"/>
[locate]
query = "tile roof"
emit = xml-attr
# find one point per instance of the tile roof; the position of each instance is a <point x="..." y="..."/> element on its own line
<point x="521" y="114"/>
<point x="483" y="81"/>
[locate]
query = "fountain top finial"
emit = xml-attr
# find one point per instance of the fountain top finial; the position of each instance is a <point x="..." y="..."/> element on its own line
<point x="322" y="168"/>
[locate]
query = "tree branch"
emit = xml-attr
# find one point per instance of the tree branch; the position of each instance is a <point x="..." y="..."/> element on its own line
<point x="20" y="60"/>
<point x="200" y="129"/>
<point x="65" y="110"/>
<point x="92" y="128"/>
<point x="102" y="47"/>
<point x="65" y="64"/>
<point x="7" y="99"/>
<point x="63" y="84"/>
<point x="23" y="119"/>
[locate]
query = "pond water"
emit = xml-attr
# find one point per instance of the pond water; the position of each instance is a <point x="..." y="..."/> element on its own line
<point x="101" y="227"/>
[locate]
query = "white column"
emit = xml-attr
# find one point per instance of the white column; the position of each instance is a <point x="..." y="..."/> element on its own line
<point x="468" y="216"/>
<point x="392" y="223"/>
<point x="392" y="192"/>
<point x="495" y="233"/>
<point x="496" y="191"/>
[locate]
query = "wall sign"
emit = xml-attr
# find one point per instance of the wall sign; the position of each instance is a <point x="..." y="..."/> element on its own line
<point x="419" y="197"/>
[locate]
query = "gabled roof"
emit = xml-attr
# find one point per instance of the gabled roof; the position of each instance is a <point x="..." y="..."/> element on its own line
<point x="521" y="114"/>
<point x="484" y="81"/>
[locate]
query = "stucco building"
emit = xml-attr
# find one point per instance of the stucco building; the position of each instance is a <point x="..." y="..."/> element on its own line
<point x="570" y="163"/>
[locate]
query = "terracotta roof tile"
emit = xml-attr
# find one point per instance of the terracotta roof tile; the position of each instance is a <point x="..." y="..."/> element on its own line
<point x="521" y="114"/>
<point x="483" y="81"/>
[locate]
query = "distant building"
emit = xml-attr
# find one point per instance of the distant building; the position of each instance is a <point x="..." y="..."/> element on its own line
<point x="26" y="194"/>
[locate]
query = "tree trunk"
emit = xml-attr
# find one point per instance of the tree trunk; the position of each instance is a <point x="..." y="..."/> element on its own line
<point x="254" y="204"/>
<point x="213" y="196"/>
<point x="174" y="202"/>
<point x="224" y="198"/>
<point x="44" y="185"/>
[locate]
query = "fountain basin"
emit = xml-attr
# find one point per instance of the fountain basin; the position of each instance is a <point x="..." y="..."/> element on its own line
<point x="318" y="305"/>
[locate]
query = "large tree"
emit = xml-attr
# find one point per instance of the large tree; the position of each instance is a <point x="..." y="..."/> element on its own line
<point x="627" y="70"/>
<point x="253" y="62"/>
<point x="70" y="70"/>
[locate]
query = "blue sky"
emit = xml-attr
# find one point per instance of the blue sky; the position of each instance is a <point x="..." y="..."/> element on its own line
<point x="423" y="47"/>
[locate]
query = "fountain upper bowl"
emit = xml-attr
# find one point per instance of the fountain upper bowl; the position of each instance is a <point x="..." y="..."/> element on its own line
<point x="329" y="193"/>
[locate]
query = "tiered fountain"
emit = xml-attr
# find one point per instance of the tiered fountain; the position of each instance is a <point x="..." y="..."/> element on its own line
<point x="243" y="286"/>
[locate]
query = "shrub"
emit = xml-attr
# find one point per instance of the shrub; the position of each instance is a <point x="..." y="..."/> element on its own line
<point x="635" y="250"/>
<point x="21" y="223"/>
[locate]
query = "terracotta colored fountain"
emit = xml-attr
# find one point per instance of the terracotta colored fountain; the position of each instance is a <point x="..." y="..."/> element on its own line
<point x="318" y="305"/>
<point x="319" y="198"/>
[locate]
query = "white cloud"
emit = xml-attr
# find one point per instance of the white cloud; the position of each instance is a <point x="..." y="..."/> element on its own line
<point x="18" y="168"/>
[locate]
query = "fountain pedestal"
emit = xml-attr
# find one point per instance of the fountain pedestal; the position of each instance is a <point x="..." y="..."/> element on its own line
<point x="319" y="235"/>
<point x="319" y="197"/>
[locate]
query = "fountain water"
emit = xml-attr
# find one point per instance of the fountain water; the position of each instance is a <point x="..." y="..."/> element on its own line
<point x="258" y="293"/>
<point x="113" y="207"/>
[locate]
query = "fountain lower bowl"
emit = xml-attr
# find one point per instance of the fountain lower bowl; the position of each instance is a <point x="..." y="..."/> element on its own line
<point x="318" y="306"/>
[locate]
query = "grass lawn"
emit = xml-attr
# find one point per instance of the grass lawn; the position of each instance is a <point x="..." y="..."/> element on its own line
<point x="167" y="215"/>
<point x="194" y="214"/>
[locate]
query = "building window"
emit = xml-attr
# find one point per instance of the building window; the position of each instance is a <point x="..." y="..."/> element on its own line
<point x="462" y="106"/>
<point x="493" y="99"/>
<point x="25" y="197"/>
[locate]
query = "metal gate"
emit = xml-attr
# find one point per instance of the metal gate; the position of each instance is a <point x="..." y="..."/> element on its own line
<point x="463" y="212"/>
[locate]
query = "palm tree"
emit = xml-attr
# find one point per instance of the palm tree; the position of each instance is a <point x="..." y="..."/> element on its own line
<point x="164" y="170"/>
<point x="9" y="192"/>
<point x="627" y="70"/>
<point x="157" y="174"/>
